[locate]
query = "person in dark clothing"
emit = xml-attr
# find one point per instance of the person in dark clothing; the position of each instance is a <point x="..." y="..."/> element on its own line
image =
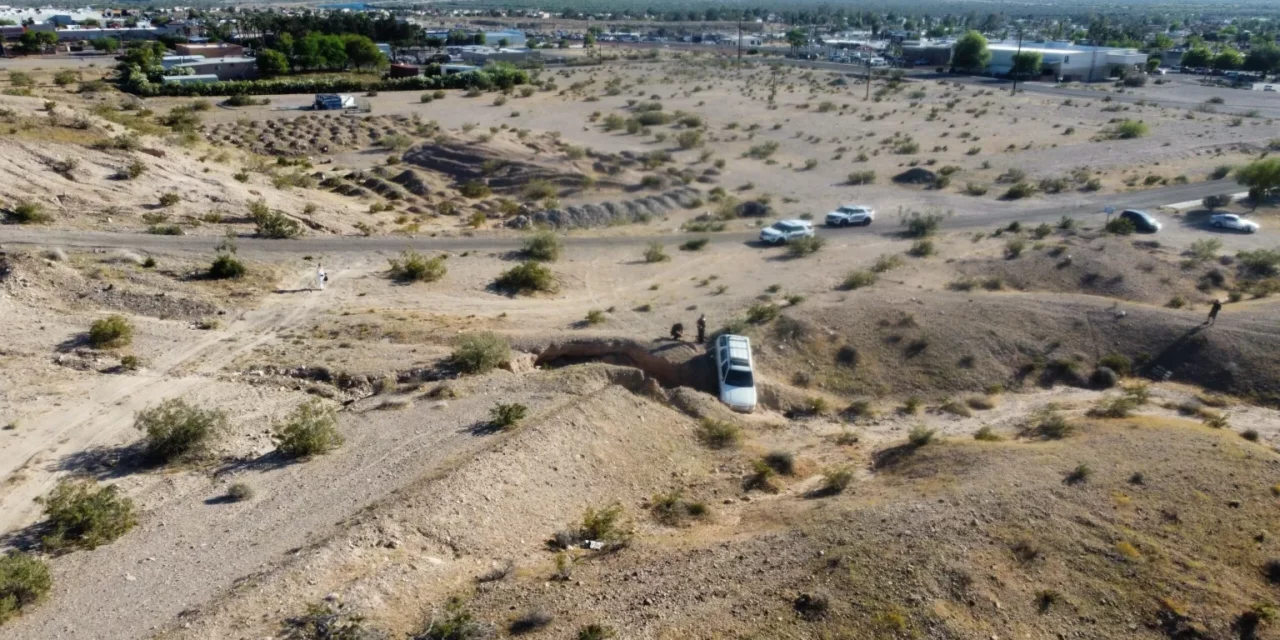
<point x="677" y="331"/>
<point x="1213" y="312"/>
<point x="702" y="328"/>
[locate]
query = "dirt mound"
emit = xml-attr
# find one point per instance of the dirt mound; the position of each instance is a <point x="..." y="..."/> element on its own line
<point x="1109" y="267"/>
<point x="937" y="344"/>
<point x="471" y="162"/>
<point x="917" y="175"/>
<point x="672" y="364"/>
<point x="311" y="134"/>
<point x="412" y="182"/>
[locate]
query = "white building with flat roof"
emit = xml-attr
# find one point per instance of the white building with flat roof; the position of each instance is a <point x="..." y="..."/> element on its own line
<point x="1065" y="61"/>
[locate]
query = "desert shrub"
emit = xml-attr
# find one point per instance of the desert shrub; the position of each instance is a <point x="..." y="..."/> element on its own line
<point x="806" y="246"/>
<point x="544" y="246"/>
<point x="82" y="514"/>
<point x="176" y="430"/>
<point x="527" y="277"/>
<point x="718" y="434"/>
<point x="858" y="279"/>
<point x="412" y="266"/>
<point x="1120" y="226"/>
<point x="474" y="189"/>
<point x="225" y="266"/>
<point x="1219" y="172"/>
<point x="761" y="313"/>
<point x="1014" y="247"/>
<point x="922" y="248"/>
<point x="1259" y="262"/>
<point x="274" y="225"/>
<point x="480" y="352"/>
<point x="957" y="408"/>
<point x="595" y="316"/>
<point x="920" y="225"/>
<point x="455" y="622"/>
<point x="24" y="581"/>
<point x="986" y="434"/>
<point x="836" y="480"/>
<point x="1041" y="231"/>
<point x="28" y="213"/>
<point x="689" y="139"/>
<point x="975" y="189"/>
<point x="596" y="631"/>
<point x="1080" y="474"/>
<point x="240" y="491"/>
<point x="1121" y="406"/>
<point x="862" y="177"/>
<point x="606" y="524"/>
<point x="694" y="244"/>
<point x="1050" y="425"/>
<point x="312" y="429"/>
<point x="1118" y="363"/>
<point x="1019" y="190"/>
<point x="529" y="621"/>
<point x="920" y="436"/>
<point x="506" y="416"/>
<point x="886" y="262"/>
<point x="1128" y="129"/>
<point x="110" y="332"/>
<point x="169" y="198"/>
<point x="655" y="253"/>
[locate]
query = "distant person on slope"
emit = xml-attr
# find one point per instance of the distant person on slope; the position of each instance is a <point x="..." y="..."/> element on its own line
<point x="702" y="328"/>
<point x="677" y="331"/>
<point x="1213" y="312"/>
<point x="321" y="277"/>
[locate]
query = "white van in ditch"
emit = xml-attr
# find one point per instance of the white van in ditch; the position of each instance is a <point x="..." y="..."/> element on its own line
<point x="734" y="371"/>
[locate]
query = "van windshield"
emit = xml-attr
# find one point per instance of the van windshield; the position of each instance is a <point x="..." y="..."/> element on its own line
<point x="739" y="378"/>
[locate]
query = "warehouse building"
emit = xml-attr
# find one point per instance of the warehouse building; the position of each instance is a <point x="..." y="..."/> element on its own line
<point x="1067" y="62"/>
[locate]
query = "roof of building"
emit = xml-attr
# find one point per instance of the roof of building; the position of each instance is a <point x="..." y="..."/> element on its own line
<point x="224" y="60"/>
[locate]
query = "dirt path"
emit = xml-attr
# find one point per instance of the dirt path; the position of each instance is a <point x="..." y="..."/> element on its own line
<point x="104" y="416"/>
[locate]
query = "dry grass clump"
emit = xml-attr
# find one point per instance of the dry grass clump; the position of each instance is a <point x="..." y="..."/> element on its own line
<point x="312" y="429"/>
<point x="718" y="434"/>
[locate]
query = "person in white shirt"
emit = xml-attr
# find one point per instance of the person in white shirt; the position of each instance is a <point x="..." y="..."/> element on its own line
<point x="321" y="277"/>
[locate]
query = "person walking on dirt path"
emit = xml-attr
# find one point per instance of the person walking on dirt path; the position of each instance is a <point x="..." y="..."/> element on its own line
<point x="677" y="331"/>
<point x="321" y="277"/>
<point x="1213" y="312"/>
<point x="702" y="328"/>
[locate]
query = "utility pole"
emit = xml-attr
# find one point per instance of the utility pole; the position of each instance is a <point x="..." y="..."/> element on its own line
<point x="868" y="60"/>
<point x="1016" y="56"/>
<point x="739" y="40"/>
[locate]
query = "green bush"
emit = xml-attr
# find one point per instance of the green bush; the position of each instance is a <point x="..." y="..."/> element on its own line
<point x="474" y="189"/>
<point x="527" y="277"/>
<point x="922" y="248"/>
<point x="1116" y="362"/>
<point x="836" y="480"/>
<point x="480" y="352"/>
<point x="862" y="177"/>
<point x="718" y="434"/>
<point x="1020" y="190"/>
<point x="762" y="312"/>
<point x="655" y="253"/>
<point x="82" y="514"/>
<point x="28" y="213"/>
<point x="169" y="198"/>
<point x="456" y="622"/>
<point x="544" y="246"/>
<point x="312" y="429"/>
<point x="412" y="266"/>
<point x="886" y="262"/>
<point x="920" y="436"/>
<point x="110" y="332"/>
<point x="226" y="267"/>
<point x="1120" y="226"/>
<point x="485" y="79"/>
<point x="1260" y="262"/>
<point x="507" y="416"/>
<point x="1128" y="129"/>
<point x="176" y="430"/>
<point x="806" y="246"/>
<point x="1014" y="247"/>
<point x="694" y="244"/>
<point x="920" y="225"/>
<point x="858" y="279"/>
<point x="24" y="581"/>
<point x="274" y="224"/>
<point x="595" y="631"/>
<point x="240" y="492"/>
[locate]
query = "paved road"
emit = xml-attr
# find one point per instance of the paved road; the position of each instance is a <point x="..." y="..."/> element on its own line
<point x="1088" y="209"/>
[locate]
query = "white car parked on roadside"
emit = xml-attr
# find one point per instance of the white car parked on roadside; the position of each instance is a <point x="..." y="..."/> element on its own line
<point x="734" y="373"/>
<point x="851" y="214"/>
<point x="1233" y="221"/>
<point x="784" y="231"/>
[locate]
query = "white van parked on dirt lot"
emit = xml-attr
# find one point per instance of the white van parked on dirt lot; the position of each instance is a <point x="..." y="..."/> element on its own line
<point x="734" y="372"/>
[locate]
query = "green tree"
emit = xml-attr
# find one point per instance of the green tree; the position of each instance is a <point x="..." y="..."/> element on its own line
<point x="589" y="40"/>
<point x="479" y="38"/>
<point x="1153" y="63"/>
<point x="1161" y="42"/>
<point x="109" y="45"/>
<point x="272" y="63"/>
<point x="363" y="53"/>
<point x="1264" y="58"/>
<point x="1262" y="177"/>
<point x="1027" y="63"/>
<point x="970" y="52"/>
<point x="1228" y="58"/>
<point x="797" y="38"/>
<point x="36" y="41"/>
<point x="1196" y="57"/>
